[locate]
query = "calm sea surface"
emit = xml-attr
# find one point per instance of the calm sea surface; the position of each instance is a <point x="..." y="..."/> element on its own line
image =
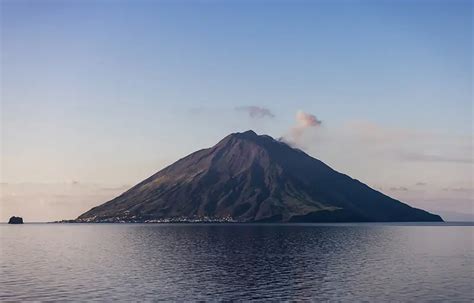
<point x="364" y="262"/>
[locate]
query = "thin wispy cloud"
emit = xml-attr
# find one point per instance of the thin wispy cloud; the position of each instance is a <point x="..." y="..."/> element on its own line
<point x="399" y="188"/>
<point x="458" y="189"/>
<point x="398" y="144"/>
<point x="256" y="111"/>
<point x="421" y="157"/>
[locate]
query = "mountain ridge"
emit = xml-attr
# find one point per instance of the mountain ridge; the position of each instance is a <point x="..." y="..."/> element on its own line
<point x="247" y="177"/>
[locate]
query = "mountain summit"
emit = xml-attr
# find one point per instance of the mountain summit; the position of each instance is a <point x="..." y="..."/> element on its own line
<point x="252" y="178"/>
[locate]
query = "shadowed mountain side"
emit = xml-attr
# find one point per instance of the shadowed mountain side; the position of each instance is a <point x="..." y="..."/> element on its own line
<point x="248" y="178"/>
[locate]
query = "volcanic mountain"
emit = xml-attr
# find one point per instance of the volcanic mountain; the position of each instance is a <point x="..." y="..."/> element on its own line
<point x="252" y="178"/>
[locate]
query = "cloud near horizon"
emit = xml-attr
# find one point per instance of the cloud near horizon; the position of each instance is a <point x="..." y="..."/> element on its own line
<point x="46" y="202"/>
<point x="423" y="157"/>
<point x="256" y="111"/>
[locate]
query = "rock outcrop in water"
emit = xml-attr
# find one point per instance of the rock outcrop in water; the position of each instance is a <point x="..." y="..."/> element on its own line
<point x="252" y="178"/>
<point x="15" y="220"/>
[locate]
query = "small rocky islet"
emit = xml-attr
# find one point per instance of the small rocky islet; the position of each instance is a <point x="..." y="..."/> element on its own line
<point x="15" y="220"/>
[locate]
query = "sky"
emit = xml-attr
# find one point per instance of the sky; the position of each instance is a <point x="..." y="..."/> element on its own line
<point x="98" y="95"/>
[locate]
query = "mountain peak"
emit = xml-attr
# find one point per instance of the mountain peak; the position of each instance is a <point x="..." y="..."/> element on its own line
<point x="252" y="136"/>
<point x="246" y="134"/>
<point x="249" y="133"/>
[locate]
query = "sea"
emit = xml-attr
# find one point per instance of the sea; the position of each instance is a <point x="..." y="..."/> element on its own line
<point x="238" y="262"/>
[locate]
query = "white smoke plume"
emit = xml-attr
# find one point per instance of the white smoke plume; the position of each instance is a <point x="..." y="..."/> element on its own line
<point x="304" y="121"/>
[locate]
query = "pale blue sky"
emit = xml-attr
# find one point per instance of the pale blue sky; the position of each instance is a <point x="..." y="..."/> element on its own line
<point x="111" y="91"/>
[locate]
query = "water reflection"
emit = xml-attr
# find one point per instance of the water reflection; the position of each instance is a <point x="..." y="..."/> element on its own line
<point x="236" y="262"/>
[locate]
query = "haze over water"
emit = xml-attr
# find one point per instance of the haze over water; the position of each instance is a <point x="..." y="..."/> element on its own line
<point x="363" y="262"/>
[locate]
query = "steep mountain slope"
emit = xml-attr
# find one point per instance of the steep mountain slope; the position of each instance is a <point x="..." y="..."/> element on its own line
<point x="247" y="178"/>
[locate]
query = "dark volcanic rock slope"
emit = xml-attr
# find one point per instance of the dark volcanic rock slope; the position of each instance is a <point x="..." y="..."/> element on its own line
<point x="248" y="178"/>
